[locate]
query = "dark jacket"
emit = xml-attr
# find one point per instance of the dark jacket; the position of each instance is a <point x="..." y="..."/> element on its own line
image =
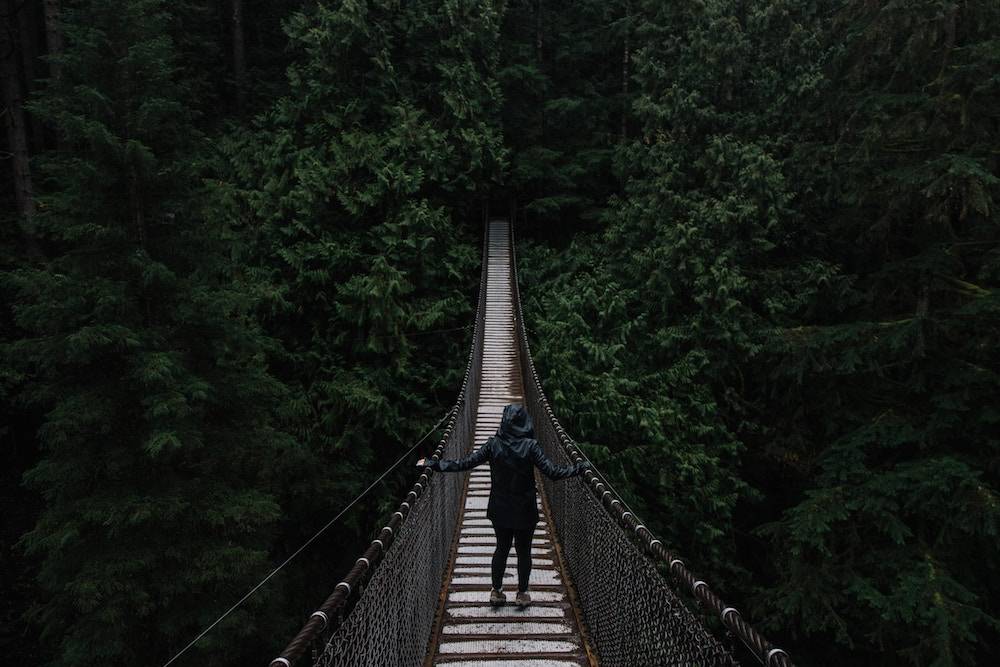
<point x="513" y="453"/>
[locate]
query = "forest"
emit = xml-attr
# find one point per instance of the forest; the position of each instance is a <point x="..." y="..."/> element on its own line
<point x="759" y="248"/>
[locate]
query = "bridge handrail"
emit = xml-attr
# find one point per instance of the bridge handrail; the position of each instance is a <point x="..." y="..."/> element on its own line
<point x="331" y="614"/>
<point x="732" y="619"/>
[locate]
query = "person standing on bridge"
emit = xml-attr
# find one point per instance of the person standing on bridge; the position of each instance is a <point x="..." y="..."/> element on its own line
<point x="513" y="454"/>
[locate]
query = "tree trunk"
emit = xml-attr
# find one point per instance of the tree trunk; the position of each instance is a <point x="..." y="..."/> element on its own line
<point x="137" y="209"/>
<point x="923" y="307"/>
<point x="239" y="56"/>
<point x="626" y="56"/>
<point x="25" y="42"/>
<point x="540" y="59"/>
<point x="53" y="37"/>
<point x="28" y="43"/>
<point x="538" y="31"/>
<point x="17" y="129"/>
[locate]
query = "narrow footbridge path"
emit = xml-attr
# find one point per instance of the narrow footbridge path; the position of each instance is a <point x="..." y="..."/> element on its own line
<point x="472" y="632"/>
<point x="605" y="592"/>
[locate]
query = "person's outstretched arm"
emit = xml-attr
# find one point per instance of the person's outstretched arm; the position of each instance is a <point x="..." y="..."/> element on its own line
<point x="471" y="461"/>
<point x="550" y="469"/>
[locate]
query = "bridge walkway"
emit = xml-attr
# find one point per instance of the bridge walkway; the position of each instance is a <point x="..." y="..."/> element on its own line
<point x="470" y="631"/>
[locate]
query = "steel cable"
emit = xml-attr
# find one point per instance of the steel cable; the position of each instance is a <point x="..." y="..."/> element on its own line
<point x="312" y="539"/>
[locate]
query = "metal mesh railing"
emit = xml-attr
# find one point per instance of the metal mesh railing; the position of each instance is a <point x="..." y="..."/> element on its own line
<point x="393" y="619"/>
<point x="632" y="613"/>
<point x="382" y="612"/>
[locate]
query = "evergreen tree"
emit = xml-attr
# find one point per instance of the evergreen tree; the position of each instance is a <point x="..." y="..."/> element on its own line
<point x="564" y="88"/>
<point x="795" y="293"/>
<point x="896" y="375"/>
<point x="762" y="288"/>
<point x="361" y="193"/>
<point x="159" y="451"/>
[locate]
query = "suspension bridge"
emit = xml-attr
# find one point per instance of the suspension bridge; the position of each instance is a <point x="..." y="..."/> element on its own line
<point x="605" y="591"/>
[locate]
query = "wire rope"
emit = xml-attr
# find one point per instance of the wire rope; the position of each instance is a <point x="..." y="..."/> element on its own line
<point x="311" y="539"/>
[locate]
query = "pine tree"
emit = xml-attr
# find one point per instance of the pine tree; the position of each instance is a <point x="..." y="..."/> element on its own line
<point x="885" y="548"/>
<point x="795" y="293"/>
<point x="159" y="450"/>
<point x="561" y="71"/>
<point x="361" y="191"/>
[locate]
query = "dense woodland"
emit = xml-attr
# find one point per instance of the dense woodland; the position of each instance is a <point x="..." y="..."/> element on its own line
<point x="760" y="252"/>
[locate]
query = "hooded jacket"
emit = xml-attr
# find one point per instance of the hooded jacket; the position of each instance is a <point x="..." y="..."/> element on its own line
<point x="513" y="454"/>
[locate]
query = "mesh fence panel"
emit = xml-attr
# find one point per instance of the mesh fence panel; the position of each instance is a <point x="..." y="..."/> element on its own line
<point x="393" y="619"/>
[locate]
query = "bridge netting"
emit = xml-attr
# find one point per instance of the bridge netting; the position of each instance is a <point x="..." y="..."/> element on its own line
<point x="626" y="582"/>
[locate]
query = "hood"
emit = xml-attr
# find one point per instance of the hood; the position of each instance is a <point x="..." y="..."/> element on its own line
<point x="515" y="424"/>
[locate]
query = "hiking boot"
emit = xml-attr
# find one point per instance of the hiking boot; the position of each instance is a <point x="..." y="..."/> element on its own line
<point x="497" y="598"/>
<point x="523" y="599"/>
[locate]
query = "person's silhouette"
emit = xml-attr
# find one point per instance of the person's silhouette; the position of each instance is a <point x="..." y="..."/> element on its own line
<point x="513" y="453"/>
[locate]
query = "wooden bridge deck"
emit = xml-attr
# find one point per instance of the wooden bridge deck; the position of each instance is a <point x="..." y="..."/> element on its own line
<point x="470" y="631"/>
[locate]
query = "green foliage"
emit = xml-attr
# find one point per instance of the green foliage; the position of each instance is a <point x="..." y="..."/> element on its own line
<point x="764" y="280"/>
<point x="562" y="75"/>
<point x="158" y="439"/>
<point x="355" y="194"/>
<point x="353" y="190"/>
<point x="807" y="246"/>
<point x="902" y="496"/>
<point x="666" y="447"/>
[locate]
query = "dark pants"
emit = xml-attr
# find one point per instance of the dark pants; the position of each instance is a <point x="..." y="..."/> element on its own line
<point x="522" y="544"/>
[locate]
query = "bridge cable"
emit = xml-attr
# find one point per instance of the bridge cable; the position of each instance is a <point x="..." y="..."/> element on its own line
<point x="313" y="538"/>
